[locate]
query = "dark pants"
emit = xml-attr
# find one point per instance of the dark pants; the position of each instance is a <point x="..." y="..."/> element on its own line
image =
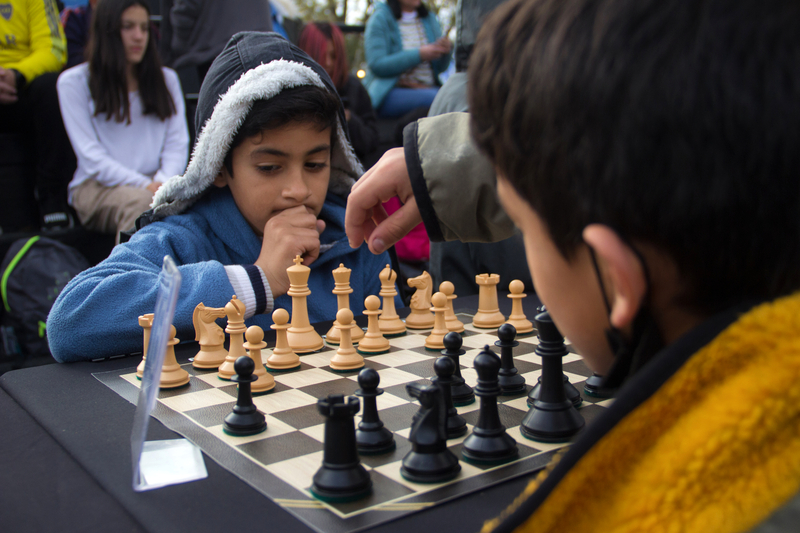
<point x="37" y="117"/>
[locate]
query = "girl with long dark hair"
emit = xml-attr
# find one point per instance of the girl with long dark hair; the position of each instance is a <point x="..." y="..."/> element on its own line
<point x="124" y="114"/>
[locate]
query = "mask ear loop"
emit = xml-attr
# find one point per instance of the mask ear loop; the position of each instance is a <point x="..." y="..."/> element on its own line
<point x="645" y="339"/>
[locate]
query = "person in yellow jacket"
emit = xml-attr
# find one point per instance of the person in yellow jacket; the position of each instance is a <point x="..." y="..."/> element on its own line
<point x="33" y="51"/>
<point x="647" y="150"/>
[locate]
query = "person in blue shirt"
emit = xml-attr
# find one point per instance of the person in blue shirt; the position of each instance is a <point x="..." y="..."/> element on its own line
<point x="406" y="53"/>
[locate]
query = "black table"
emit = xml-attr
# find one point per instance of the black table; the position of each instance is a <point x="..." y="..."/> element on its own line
<point x="65" y="465"/>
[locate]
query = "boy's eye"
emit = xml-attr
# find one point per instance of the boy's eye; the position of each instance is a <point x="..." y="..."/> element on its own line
<point x="311" y="165"/>
<point x="268" y="169"/>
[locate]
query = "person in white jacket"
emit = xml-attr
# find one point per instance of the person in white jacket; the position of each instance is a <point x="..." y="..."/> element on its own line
<point x="124" y="114"/>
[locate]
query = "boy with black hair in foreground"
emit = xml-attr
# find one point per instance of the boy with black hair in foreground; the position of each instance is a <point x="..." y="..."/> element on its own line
<point x="648" y="152"/>
<point x="267" y="181"/>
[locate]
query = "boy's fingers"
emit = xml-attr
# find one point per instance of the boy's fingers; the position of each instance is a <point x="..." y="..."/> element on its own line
<point x="395" y="227"/>
<point x="320" y="226"/>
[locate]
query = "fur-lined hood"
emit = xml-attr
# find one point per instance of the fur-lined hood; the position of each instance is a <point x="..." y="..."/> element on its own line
<point x="253" y="66"/>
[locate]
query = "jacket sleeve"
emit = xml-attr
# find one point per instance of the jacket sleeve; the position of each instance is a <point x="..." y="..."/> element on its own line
<point x="439" y="65"/>
<point x="95" y="316"/>
<point x="453" y="183"/>
<point x="74" y="100"/>
<point x="377" y="48"/>
<point x="175" y="152"/>
<point x="48" y="47"/>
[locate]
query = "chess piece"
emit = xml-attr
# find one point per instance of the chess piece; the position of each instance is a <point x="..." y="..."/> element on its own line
<point x="570" y="392"/>
<point x="255" y="343"/>
<point x="511" y="382"/>
<point x="342" y="290"/>
<point x="460" y="392"/>
<point x="146" y="322"/>
<point x="553" y="417"/>
<point x="421" y="316"/>
<point x="372" y="437"/>
<point x="389" y="321"/>
<point x="172" y="375"/>
<point x="235" y="310"/>
<point x="429" y="460"/>
<point x="488" y="442"/>
<point x="341" y="477"/>
<point x="517" y="317"/>
<point x="209" y="335"/>
<point x="445" y="368"/>
<point x="302" y="336"/>
<point x="283" y="357"/>
<point x="435" y="340"/>
<point x="488" y="315"/>
<point x="245" y="419"/>
<point x="373" y="342"/>
<point x="595" y="387"/>
<point x="450" y="319"/>
<point x="346" y="358"/>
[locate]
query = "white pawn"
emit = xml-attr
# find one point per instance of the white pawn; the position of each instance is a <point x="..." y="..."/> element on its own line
<point x="283" y="357"/>
<point x="373" y="342"/>
<point x="435" y="340"/>
<point x="450" y="318"/>
<point x="255" y="343"/>
<point x="172" y="375"/>
<point x="517" y="317"/>
<point x="346" y="358"/>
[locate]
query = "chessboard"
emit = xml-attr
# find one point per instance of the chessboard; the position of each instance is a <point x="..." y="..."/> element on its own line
<point x="281" y="462"/>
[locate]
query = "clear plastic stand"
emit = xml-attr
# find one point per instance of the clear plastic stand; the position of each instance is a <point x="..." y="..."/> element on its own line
<point x="166" y="462"/>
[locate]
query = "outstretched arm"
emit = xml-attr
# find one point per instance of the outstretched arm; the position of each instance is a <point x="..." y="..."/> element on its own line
<point x="441" y="179"/>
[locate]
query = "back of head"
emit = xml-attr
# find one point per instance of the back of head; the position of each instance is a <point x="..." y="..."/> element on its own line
<point x="672" y="122"/>
<point x="315" y="39"/>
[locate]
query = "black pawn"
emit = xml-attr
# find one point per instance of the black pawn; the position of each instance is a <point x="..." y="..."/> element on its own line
<point x="341" y="477"/>
<point x="445" y="368"/>
<point x="553" y="417"/>
<point x="245" y="419"/>
<point x="460" y="392"/>
<point x="429" y="460"/>
<point x="594" y="386"/>
<point x="511" y="382"/>
<point x="489" y="443"/>
<point x="372" y="437"/>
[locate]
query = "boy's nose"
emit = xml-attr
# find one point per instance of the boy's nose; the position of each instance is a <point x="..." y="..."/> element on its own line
<point x="296" y="187"/>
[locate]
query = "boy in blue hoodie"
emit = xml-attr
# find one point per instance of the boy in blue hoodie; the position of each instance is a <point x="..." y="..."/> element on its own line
<point x="268" y="178"/>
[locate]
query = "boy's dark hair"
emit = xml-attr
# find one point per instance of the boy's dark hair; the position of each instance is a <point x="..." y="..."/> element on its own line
<point x="675" y="123"/>
<point x="108" y="83"/>
<point x="307" y="103"/>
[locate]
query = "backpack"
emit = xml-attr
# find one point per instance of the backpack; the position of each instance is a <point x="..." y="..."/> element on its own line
<point x="34" y="271"/>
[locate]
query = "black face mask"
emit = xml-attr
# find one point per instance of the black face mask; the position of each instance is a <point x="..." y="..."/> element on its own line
<point x="645" y="342"/>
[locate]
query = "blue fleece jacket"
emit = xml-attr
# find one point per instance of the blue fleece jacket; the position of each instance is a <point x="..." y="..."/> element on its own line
<point x="386" y="59"/>
<point x="96" y="314"/>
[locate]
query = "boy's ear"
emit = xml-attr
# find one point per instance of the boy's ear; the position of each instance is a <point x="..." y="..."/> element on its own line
<point x="622" y="271"/>
<point x="221" y="180"/>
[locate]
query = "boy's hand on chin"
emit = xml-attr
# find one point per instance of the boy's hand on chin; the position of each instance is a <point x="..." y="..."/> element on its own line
<point x="289" y="233"/>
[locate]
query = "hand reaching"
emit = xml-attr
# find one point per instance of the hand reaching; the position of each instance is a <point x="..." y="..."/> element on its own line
<point x="366" y="220"/>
